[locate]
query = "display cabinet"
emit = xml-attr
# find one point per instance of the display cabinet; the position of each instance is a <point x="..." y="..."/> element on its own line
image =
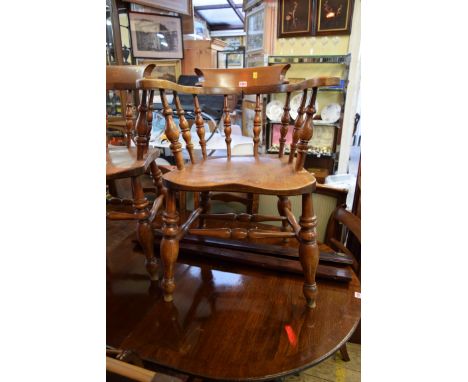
<point x="325" y="144"/>
<point x="260" y="33"/>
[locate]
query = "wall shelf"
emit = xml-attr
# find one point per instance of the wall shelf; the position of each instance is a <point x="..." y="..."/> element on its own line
<point x="327" y="161"/>
<point x="312" y="59"/>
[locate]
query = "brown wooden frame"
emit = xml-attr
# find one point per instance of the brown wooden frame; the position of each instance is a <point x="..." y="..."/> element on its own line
<point x="349" y="9"/>
<point x="310" y="31"/>
<point x="154" y="15"/>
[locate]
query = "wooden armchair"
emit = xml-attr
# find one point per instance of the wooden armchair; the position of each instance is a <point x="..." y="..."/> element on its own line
<point x="281" y="176"/>
<point x="341" y="225"/>
<point x="133" y="160"/>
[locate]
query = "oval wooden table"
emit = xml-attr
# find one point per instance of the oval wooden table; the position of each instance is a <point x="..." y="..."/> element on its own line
<point x="227" y="322"/>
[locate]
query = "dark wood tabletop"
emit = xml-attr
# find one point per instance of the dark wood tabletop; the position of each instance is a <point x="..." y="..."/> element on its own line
<point x="227" y="321"/>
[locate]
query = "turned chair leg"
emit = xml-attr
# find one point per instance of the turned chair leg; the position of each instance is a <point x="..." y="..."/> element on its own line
<point x="284" y="202"/>
<point x="308" y="249"/>
<point x="205" y="204"/>
<point x="169" y="244"/>
<point x="144" y="231"/>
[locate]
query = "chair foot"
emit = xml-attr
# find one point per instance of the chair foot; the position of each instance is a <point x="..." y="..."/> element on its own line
<point x="168" y="288"/>
<point x="152" y="268"/>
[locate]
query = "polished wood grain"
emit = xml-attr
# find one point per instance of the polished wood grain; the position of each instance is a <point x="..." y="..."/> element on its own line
<point x="124" y="77"/>
<point x="226" y="321"/>
<point x="263" y="175"/>
<point x="284" y="87"/>
<point x="297" y="126"/>
<point x="245" y="77"/>
<point x="284" y="124"/>
<point x="122" y="162"/>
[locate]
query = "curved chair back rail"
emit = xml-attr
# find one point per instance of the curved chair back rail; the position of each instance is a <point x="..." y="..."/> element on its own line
<point x="258" y="81"/>
<point x="231" y="78"/>
<point x="123" y="78"/>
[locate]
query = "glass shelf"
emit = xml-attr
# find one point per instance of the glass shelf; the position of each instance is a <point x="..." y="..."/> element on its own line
<point x="313" y="59"/>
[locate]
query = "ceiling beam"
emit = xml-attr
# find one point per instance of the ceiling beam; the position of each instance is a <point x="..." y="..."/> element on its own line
<point x="200" y="16"/>
<point x="217" y="6"/>
<point x="238" y="12"/>
<point x="222" y="27"/>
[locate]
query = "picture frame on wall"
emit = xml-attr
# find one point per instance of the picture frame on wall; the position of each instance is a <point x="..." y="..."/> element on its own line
<point x="295" y="18"/>
<point x="169" y="70"/>
<point x="179" y="6"/>
<point x="254" y="22"/>
<point x="334" y="17"/>
<point x="156" y="36"/>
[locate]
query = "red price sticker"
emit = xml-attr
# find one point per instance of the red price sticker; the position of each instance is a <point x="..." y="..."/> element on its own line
<point x="242" y="84"/>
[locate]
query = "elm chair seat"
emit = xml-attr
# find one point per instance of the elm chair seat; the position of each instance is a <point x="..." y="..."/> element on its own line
<point x="122" y="162"/>
<point x="263" y="175"/>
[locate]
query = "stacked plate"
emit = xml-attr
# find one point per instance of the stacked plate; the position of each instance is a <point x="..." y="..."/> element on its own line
<point x="331" y="113"/>
<point x="296" y="102"/>
<point x="274" y="110"/>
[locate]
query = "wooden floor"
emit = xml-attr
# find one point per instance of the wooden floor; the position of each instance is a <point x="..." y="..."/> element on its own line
<point x="227" y="322"/>
<point x="334" y="369"/>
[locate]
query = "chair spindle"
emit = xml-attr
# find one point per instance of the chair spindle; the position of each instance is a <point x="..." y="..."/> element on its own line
<point x="172" y="132"/>
<point x="227" y="126"/>
<point x="306" y="132"/>
<point x="107" y="126"/>
<point x="284" y="125"/>
<point x="257" y="125"/>
<point x="129" y="120"/>
<point x="141" y="127"/>
<point x="149" y="119"/>
<point x="184" y="127"/>
<point x="200" y="125"/>
<point x="297" y="126"/>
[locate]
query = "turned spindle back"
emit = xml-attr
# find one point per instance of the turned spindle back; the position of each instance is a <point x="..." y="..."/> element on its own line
<point x="255" y="81"/>
<point x="123" y="78"/>
<point x="243" y="78"/>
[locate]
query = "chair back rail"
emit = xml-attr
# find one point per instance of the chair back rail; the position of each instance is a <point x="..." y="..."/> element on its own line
<point x="245" y="77"/>
<point x="123" y="78"/>
<point x="258" y="81"/>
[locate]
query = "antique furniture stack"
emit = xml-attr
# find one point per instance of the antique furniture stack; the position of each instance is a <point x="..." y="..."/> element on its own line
<point x="134" y="159"/>
<point x="282" y="176"/>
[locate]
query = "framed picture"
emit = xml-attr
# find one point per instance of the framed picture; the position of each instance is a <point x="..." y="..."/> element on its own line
<point x="334" y="17"/>
<point x="295" y="18"/>
<point x="254" y="24"/>
<point x="179" y="6"/>
<point x="156" y="36"/>
<point x="165" y="69"/>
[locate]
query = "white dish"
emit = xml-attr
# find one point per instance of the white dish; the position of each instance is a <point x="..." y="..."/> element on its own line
<point x="274" y="110"/>
<point x="331" y="113"/>
<point x="296" y="102"/>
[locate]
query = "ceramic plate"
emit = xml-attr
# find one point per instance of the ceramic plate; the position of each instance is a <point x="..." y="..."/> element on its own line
<point x="331" y="113"/>
<point x="296" y="102"/>
<point x="274" y="110"/>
